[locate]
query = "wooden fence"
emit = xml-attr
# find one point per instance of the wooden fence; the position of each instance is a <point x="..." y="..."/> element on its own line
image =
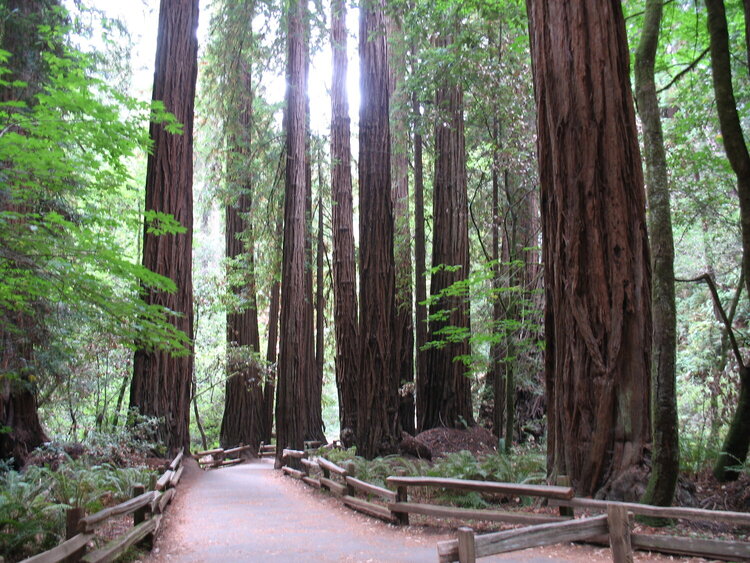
<point x="613" y="528"/>
<point x="146" y="507"/>
<point x="220" y="457"/>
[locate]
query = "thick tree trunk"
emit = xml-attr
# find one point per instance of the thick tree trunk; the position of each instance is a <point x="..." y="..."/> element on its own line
<point x="665" y="457"/>
<point x="243" y="404"/>
<point x="344" y="265"/>
<point x="399" y="122"/>
<point x="161" y="381"/>
<point x="378" y="386"/>
<point x="20" y="332"/>
<point x="420" y="267"/>
<point x="448" y="389"/>
<point x="296" y="355"/>
<point x="596" y="258"/>
<point x="737" y="438"/>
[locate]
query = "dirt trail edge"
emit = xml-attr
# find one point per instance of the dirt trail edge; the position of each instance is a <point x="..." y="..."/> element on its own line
<point x="250" y="512"/>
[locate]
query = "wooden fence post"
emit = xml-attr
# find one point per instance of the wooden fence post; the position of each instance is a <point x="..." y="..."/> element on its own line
<point x="466" y="547"/>
<point x="72" y="519"/>
<point x="139" y="516"/>
<point x="351" y="471"/>
<point x="619" y="534"/>
<point x="564" y="481"/>
<point x="402" y="495"/>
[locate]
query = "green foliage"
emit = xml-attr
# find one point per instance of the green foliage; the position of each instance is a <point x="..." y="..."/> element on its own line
<point x="33" y="502"/>
<point x="65" y="176"/>
<point x="520" y="324"/>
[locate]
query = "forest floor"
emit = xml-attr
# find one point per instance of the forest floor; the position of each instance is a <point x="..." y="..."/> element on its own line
<point x="250" y="512"/>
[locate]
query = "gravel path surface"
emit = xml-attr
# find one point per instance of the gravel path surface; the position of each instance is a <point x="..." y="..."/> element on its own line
<point x="250" y="512"/>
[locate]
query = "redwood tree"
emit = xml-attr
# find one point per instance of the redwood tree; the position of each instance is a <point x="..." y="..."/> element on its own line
<point x="378" y="381"/>
<point x="346" y="325"/>
<point x="161" y="381"/>
<point x="448" y="388"/>
<point x="22" y="331"/>
<point x="404" y="328"/>
<point x="596" y="257"/>
<point x="296" y="354"/>
<point x="243" y="404"/>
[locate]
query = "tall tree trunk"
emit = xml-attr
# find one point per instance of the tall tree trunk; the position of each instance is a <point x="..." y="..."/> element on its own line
<point x="320" y="303"/>
<point x="399" y="123"/>
<point x="665" y="459"/>
<point x="420" y="267"/>
<point x="20" y="331"/>
<point x="737" y="439"/>
<point x="243" y="404"/>
<point x="161" y="381"/>
<point x="296" y="355"/>
<point x="344" y="266"/>
<point x="448" y="390"/>
<point x="378" y="385"/>
<point x="596" y="258"/>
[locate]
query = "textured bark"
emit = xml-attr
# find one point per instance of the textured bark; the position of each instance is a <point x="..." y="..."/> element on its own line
<point x="243" y="404"/>
<point x="665" y="457"/>
<point x="344" y="265"/>
<point x="20" y="332"/>
<point x="448" y="389"/>
<point x="399" y="121"/>
<point x="420" y="267"/>
<point x="596" y="258"/>
<point x="313" y="384"/>
<point x="161" y="381"/>
<point x="296" y="354"/>
<point x="378" y="385"/>
<point x="737" y="440"/>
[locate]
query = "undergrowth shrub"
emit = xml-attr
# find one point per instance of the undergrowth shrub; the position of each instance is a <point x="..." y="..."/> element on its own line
<point x="33" y="502"/>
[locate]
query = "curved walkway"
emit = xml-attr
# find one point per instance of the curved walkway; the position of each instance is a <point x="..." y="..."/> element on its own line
<point x="249" y="512"/>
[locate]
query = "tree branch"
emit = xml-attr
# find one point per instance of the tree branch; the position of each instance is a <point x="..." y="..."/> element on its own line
<point x="727" y="324"/>
<point x="684" y="71"/>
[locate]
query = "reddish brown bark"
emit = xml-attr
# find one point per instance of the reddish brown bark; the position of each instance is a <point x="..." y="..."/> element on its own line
<point x="596" y="258"/>
<point x="378" y="383"/>
<point x="161" y="381"/>
<point x="243" y="420"/>
<point x="296" y="354"/>
<point x="404" y="331"/>
<point x="448" y="388"/>
<point x="344" y="265"/>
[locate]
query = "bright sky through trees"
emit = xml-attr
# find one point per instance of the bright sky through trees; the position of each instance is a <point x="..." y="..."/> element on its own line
<point x="141" y="19"/>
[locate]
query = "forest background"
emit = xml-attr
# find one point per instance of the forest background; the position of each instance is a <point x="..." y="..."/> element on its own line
<point x="81" y="376"/>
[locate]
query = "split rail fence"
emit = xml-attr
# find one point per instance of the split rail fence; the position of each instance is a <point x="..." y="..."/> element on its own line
<point x="613" y="528"/>
<point x="146" y="507"/>
<point x="220" y="457"/>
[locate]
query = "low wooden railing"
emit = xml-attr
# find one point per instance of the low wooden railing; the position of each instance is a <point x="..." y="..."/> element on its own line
<point x="220" y="457"/>
<point x="613" y="528"/>
<point x="146" y="507"/>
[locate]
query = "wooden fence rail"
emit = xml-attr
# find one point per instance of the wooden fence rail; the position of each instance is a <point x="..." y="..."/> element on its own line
<point x="613" y="528"/>
<point x="218" y="457"/>
<point x="146" y="507"/>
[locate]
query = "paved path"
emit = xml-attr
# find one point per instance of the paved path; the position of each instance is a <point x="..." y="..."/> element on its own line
<point x="251" y="513"/>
